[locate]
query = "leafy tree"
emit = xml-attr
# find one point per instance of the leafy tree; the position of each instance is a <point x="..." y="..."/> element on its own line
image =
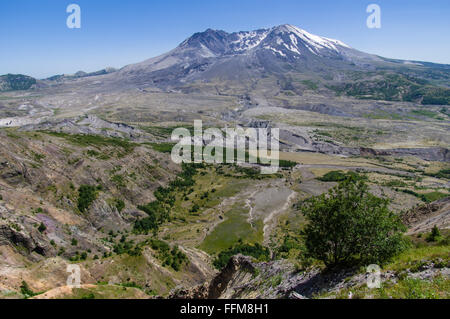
<point x="435" y="234"/>
<point x="195" y="208"/>
<point x="86" y="195"/>
<point x="42" y="228"/>
<point x="26" y="290"/>
<point x="174" y="257"/>
<point x="120" y="205"/>
<point x="348" y="224"/>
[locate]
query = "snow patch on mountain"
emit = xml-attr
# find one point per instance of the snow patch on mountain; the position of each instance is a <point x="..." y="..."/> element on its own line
<point x="275" y="50"/>
<point x="247" y="40"/>
<point x="313" y="42"/>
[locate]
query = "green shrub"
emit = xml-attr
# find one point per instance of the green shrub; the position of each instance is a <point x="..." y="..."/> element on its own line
<point x="173" y="258"/>
<point x="194" y="208"/>
<point x="120" y="205"/>
<point x="287" y="164"/>
<point x="435" y="235"/>
<point x="26" y="290"/>
<point x="339" y="176"/>
<point x="86" y="196"/>
<point x="348" y="224"/>
<point x="162" y="147"/>
<point x="42" y="228"/>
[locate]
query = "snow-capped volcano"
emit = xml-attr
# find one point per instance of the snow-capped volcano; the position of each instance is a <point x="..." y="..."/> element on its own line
<point x="282" y="40"/>
<point x="246" y="54"/>
<point x="285" y="62"/>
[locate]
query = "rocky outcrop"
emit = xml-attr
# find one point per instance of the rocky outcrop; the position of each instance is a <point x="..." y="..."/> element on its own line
<point x="104" y="216"/>
<point x="231" y="276"/>
<point x="89" y="124"/>
<point x="13" y="174"/>
<point x="429" y="154"/>
<point x="301" y="141"/>
<point x="424" y="217"/>
<point x="243" y="278"/>
<point x="26" y="243"/>
<point x="226" y="280"/>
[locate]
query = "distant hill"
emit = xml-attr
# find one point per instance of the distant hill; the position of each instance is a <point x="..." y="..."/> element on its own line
<point x="15" y="82"/>
<point x="80" y="74"/>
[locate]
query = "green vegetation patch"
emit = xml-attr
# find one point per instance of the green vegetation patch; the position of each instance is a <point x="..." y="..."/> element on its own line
<point x="159" y="210"/>
<point x="15" y="82"/>
<point x="311" y="84"/>
<point x="257" y="251"/>
<point x="173" y="258"/>
<point x="396" y="87"/>
<point x="97" y="141"/>
<point x="339" y="176"/>
<point x="162" y="147"/>
<point x="443" y="173"/>
<point x="426" y="113"/>
<point x="87" y="194"/>
<point x="165" y="132"/>
<point x="427" y="197"/>
<point x="235" y="228"/>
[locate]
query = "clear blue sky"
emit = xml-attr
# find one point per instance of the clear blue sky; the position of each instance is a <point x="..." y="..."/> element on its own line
<point x="35" y="40"/>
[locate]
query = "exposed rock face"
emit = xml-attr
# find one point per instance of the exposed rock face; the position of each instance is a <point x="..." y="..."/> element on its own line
<point x="89" y="124"/>
<point x="231" y="276"/>
<point x="423" y="218"/>
<point x="13" y="173"/>
<point x="238" y="267"/>
<point x="244" y="279"/>
<point x="301" y="141"/>
<point x="102" y="215"/>
<point x="32" y="241"/>
<point x="430" y="154"/>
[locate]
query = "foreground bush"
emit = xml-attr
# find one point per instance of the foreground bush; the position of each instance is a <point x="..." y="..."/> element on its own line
<point x="350" y="225"/>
